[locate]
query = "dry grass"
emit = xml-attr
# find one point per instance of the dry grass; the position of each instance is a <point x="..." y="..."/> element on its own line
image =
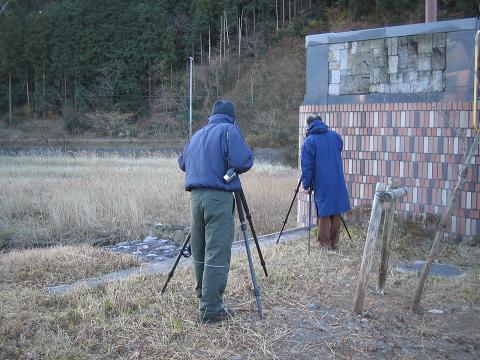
<point x="61" y="264"/>
<point x="90" y="198"/>
<point x="131" y="320"/>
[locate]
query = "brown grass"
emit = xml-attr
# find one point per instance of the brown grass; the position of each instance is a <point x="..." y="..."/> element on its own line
<point x="130" y="319"/>
<point x="89" y="198"/>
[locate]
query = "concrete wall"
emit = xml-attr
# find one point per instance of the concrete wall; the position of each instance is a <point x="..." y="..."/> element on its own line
<point x="410" y="117"/>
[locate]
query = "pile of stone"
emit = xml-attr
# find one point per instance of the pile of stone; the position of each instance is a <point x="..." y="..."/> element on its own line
<point x="165" y="244"/>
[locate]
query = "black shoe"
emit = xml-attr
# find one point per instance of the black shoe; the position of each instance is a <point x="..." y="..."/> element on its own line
<point x="222" y="315"/>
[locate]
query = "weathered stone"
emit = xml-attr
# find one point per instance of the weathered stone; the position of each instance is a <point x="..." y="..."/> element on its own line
<point x="439" y="40"/>
<point x="400" y="88"/>
<point x="438" y="80"/>
<point x="424" y="75"/>
<point x="346" y="72"/>
<point x="353" y="48"/>
<point x="333" y="66"/>
<point x="402" y="57"/>
<point x="379" y="88"/>
<point x="334" y="52"/>
<point x="420" y="86"/>
<point x="425" y="43"/>
<point x="438" y="59"/>
<point x="392" y="44"/>
<point x="392" y="64"/>
<point x="355" y="84"/>
<point x="398" y="77"/>
<point x="360" y="64"/>
<point x="412" y="76"/>
<point x="380" y="75"/>
<point x="424" y="62"/>
<point x="334" y="89"/>
<point x="344" y="59"/>
<point x="380" y="61"/>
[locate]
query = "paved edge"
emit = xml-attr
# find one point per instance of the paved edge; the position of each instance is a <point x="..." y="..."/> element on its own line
<point x="165" y="266"/>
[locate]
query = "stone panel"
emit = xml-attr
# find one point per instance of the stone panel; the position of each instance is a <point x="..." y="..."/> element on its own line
<point x="404" y="64"/>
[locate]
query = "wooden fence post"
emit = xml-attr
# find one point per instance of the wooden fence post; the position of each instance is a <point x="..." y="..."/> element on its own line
<point x="372" y="234"/>
<point x="386" y="236"/>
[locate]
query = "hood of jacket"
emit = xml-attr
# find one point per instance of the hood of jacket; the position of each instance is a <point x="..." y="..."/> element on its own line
<point x="317" y="127"/>
<point x="221" y="118"/>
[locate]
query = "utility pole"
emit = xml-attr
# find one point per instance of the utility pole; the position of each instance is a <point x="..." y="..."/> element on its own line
<point x="190" y="110"/>
<point x="430" y="11"/>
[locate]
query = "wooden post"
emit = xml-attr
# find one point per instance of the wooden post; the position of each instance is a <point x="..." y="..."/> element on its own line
<point x="372" y="233"/>
<point x="443" y="224"/>
<point x="386" y="236"/>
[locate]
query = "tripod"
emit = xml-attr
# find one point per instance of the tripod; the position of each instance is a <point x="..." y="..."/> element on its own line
<point x="309" y="203"/>
<point x="243" y="211"/>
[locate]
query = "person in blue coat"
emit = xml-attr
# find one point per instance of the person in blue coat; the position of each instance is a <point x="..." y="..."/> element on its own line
<point x="322" y="172"/>
<point x="212" y="150"/>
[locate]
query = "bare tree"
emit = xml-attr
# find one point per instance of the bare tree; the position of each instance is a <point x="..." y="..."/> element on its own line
<point x="3" y="7"/>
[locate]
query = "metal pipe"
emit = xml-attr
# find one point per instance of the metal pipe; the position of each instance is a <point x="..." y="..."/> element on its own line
<point x="190" y="109"/>
<point x="475" y="83"/>
<point x="430" y="11"/>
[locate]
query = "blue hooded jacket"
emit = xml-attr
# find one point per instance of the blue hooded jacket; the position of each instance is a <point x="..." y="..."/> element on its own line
<point x="322" y="169"/>
<point x="213" y="150"/>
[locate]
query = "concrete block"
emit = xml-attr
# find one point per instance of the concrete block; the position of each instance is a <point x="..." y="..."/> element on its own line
<point x="392" y="64"/>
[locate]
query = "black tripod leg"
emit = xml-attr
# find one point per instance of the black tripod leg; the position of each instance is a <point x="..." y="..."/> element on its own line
<point x="252" y="229"/>
<point x="170" y="274"/>
<point x="345" y="226"/>
<point x="289" y="209"/>
<point x="243" y="227"/>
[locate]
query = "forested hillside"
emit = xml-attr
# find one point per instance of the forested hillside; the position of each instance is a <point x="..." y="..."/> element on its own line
<point x="120" y="68"/>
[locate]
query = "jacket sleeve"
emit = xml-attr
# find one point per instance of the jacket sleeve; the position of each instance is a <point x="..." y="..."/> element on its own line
<point x="307" y="164"/>
<point x="181" y="159"/>
<point x="239" y="155"/>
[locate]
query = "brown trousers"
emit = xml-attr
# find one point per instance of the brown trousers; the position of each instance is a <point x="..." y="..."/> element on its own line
<point x="329" y="231"/>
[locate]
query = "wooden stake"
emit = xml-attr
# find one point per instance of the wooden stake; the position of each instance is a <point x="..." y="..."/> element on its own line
<point x="386" y="236"/>
<point x="372" y="234"/>
<point x="442" y="226"/>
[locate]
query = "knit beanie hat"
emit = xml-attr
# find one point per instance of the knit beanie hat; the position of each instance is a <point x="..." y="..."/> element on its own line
<point x="224" y="107"/>
<point x="312" y="118"/>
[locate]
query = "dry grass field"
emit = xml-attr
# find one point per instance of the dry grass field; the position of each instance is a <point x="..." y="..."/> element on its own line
<point x="88" y="198"/>
<point x="307" y="303"/>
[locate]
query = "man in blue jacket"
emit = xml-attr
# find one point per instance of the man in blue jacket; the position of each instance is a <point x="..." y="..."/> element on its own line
<point x="322" y="172"/>
<point x="213" y="150"/>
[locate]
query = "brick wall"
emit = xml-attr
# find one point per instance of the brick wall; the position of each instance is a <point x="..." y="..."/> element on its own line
<point x="421" y="144"/>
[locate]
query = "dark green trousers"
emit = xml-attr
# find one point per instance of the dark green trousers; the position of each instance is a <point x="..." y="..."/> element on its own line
<point x="211" y="241"/>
